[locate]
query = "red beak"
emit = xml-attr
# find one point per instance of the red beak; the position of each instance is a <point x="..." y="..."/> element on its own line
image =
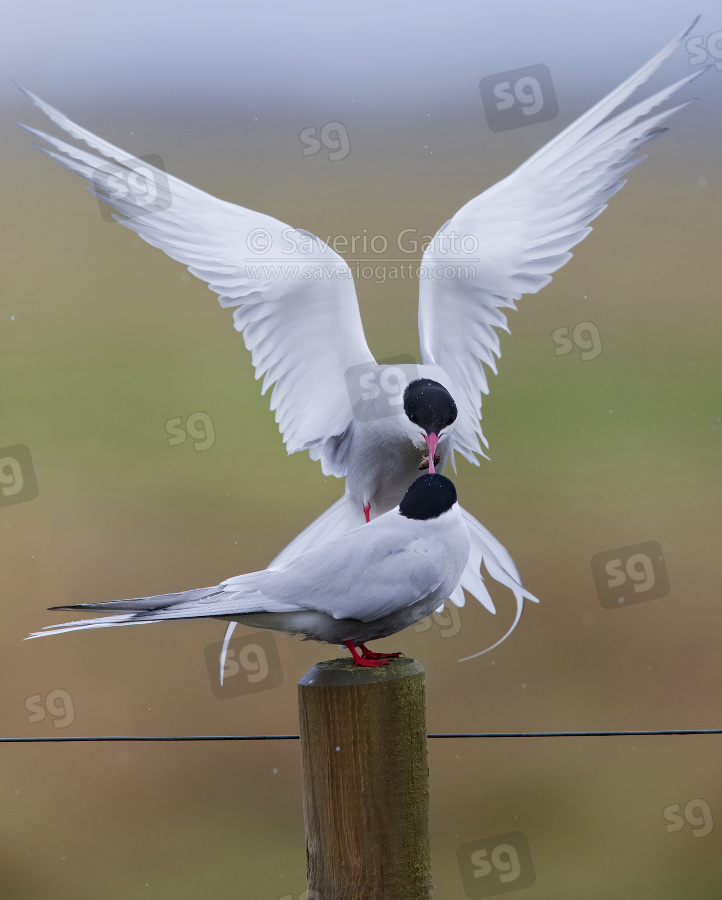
<point x="431" y="441"/>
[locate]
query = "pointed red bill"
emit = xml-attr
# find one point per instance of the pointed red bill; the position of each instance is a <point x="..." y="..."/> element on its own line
<point x="431" y="442"/>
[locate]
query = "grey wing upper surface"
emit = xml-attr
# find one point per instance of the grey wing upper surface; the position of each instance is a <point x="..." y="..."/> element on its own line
<point x="368" y="573"/>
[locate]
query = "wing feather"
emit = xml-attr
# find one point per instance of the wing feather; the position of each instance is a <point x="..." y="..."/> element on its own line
<point x="508" y="241"/>
<point x="293" y="298"/>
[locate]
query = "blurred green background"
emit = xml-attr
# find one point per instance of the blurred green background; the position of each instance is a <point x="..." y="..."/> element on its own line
<point x="103" y="340"/>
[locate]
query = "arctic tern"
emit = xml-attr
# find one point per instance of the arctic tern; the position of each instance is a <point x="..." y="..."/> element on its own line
<point x="367" y="584"/>
<point x="301" y="321"/>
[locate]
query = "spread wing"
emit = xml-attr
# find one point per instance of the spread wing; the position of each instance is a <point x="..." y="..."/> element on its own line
<point x="293" y="298"/>
<point x="508" y="240"/>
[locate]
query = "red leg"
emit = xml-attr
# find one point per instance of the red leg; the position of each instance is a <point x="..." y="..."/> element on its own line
<point x="369" y="654"/>
<point x="361" y="661"/>
<point x="367" y="510"/>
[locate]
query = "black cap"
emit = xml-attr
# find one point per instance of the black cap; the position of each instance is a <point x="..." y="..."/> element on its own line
<point x="428" y="404"/>
<point x="428" y="497"/>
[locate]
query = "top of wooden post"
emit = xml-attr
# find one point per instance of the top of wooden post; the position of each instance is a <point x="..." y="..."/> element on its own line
<point x="342" y="671"/>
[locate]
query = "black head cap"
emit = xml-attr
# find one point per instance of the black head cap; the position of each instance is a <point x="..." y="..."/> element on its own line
<point x="428" y="404"/>
<point x="428" y="497"/>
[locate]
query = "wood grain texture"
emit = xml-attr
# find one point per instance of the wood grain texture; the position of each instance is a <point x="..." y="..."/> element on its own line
<point x="365" y="781"/>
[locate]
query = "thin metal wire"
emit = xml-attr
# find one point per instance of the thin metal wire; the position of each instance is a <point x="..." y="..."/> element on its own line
<point x="295" y="737"/>
<point x="545" y="734"/>
<point x="151" y="737"/>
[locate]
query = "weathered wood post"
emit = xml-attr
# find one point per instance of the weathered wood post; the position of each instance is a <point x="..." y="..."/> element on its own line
<point x="365" y="781"/>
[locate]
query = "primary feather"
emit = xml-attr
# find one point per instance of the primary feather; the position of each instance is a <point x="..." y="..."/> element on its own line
<point x="292" y="296"/>
<point x="508" y="241"/>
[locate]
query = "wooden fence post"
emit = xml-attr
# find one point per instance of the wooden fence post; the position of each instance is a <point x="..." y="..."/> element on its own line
<point x="365" y="781"/>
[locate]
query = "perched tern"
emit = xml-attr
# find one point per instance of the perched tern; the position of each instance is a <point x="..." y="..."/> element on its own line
<point x="294" y="301"/>
<point x="367" y="584"/>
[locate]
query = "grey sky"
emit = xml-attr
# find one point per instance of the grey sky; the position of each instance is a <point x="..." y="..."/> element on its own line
<point x="373" y="55"/>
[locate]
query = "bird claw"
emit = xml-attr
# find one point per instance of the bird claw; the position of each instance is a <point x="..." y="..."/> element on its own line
<point x="370" y="663"/>
<point x="368" y="658"/>
<point x="370" y="654"/>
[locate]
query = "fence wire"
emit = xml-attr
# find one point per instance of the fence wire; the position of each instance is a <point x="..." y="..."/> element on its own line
<point x="55" y="739"/>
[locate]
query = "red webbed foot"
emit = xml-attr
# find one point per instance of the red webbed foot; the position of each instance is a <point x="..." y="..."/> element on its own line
<point x="372" y="662"/>
<point x="370" y="654"/>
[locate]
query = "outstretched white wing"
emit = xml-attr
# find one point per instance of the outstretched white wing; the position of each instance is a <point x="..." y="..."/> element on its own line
<point x="293" y="297"/>
<point x="507" y="241"/>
